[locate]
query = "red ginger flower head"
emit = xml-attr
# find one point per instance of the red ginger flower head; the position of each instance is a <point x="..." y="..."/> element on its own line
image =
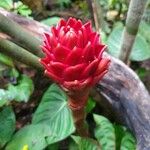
<point x="73" y="55"/>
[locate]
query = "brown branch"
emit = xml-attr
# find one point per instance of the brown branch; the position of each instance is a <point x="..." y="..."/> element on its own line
<point x="97" y="14"/>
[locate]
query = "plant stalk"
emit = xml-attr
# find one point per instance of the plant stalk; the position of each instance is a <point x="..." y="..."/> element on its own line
<point x="20" y="35"/>
<point x="77" y="105"/>
<point x="20" y="54"/>
<point x="134" y="15"/>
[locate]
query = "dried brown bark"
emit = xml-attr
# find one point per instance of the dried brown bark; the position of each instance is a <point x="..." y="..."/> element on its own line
<point x="126" y="95"/>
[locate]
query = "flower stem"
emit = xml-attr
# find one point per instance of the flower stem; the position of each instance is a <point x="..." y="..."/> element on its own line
<point x="77" y="105"/>
<point x="80" y="123"/>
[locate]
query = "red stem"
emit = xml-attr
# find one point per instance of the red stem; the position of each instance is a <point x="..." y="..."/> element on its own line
<point x="77" y="105"/>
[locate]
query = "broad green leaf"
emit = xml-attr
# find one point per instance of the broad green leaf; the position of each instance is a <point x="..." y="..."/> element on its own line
<point x="114" y="41"/>
<point x="34" y="136"/>
<point x="22" y="91"/>
<point x="7" y="125"/>
<point x="83" y="143"/>
<point x="53" y="111"/>
<point x="144" y="30"/>
<point x="90" y="105"/>
<point x="105" y="133"/>
<point x="128" y="142"/>
<point x="140" y="50"/>
<point x="6" y="60"/>
<point x="51" y="21"/>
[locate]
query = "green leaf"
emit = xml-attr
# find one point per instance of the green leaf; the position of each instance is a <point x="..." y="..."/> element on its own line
<point x="6" y="60"/>
<point x="53" y="111"/>
<point x="7" y="125"/>
<point x="105" y="133"/>
<point x="140" y="50"/>
<point x="128" y="142"/>
<point x="142" y="72"/>
<point x="22" y="91"/>
<point x="144" y="30"/>
<point x="3" y="97"/>
<point x="51" y="21"/>
<point x="83" y="143"/>
<point x="23" y="9"/>
<point x="90" y="105"/>
<point x="61" y="2"/>
<point x="14" y="73"/>
<point x="119" y="132"/>
<point x="34" y="136"/>
<point x="54" y="146"/>
<point x="114" y="41"/>
<point x="6" y="4"/>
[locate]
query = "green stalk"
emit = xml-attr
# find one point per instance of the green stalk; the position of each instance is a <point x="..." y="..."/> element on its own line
<point x="20" y="54"/>
<point x="20" y="35"/>
<point x="135" y="13"/>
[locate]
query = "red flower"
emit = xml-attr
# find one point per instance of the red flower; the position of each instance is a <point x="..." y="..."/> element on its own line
<point x="73" y="55"/>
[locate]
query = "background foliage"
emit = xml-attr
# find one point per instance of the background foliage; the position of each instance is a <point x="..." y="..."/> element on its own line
<point x="34" y="115"/>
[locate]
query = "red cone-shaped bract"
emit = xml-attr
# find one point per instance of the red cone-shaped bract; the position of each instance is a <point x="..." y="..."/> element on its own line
<point x="73" y="55"/>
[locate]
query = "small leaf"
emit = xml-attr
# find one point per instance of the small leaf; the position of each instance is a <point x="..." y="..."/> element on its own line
<point x="128" y="142"/>
<point x="90" y="105"/>
<point x="54" y="112"/>
<point x="142" y="72"/>
<point x="51" y="21"/>
<point x="105" y="133"/>
<point x="61" y="2"/>
<point x="83" y="143"/>
<point x="23" y="9"/>
<point x="7" y="125"/>
<point x="22" y="91"/>
<point x="32" y="135"/>
<point x="3" y="97"/>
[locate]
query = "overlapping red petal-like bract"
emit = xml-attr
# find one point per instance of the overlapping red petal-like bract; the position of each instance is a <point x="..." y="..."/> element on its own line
<point x="73" y="55"/>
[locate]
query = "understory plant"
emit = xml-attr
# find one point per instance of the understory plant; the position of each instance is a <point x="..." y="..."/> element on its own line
<point x="74" y="60"/>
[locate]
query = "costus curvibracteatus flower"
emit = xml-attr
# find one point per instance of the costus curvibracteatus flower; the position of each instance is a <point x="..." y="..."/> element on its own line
<point x="74" y="55"/>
